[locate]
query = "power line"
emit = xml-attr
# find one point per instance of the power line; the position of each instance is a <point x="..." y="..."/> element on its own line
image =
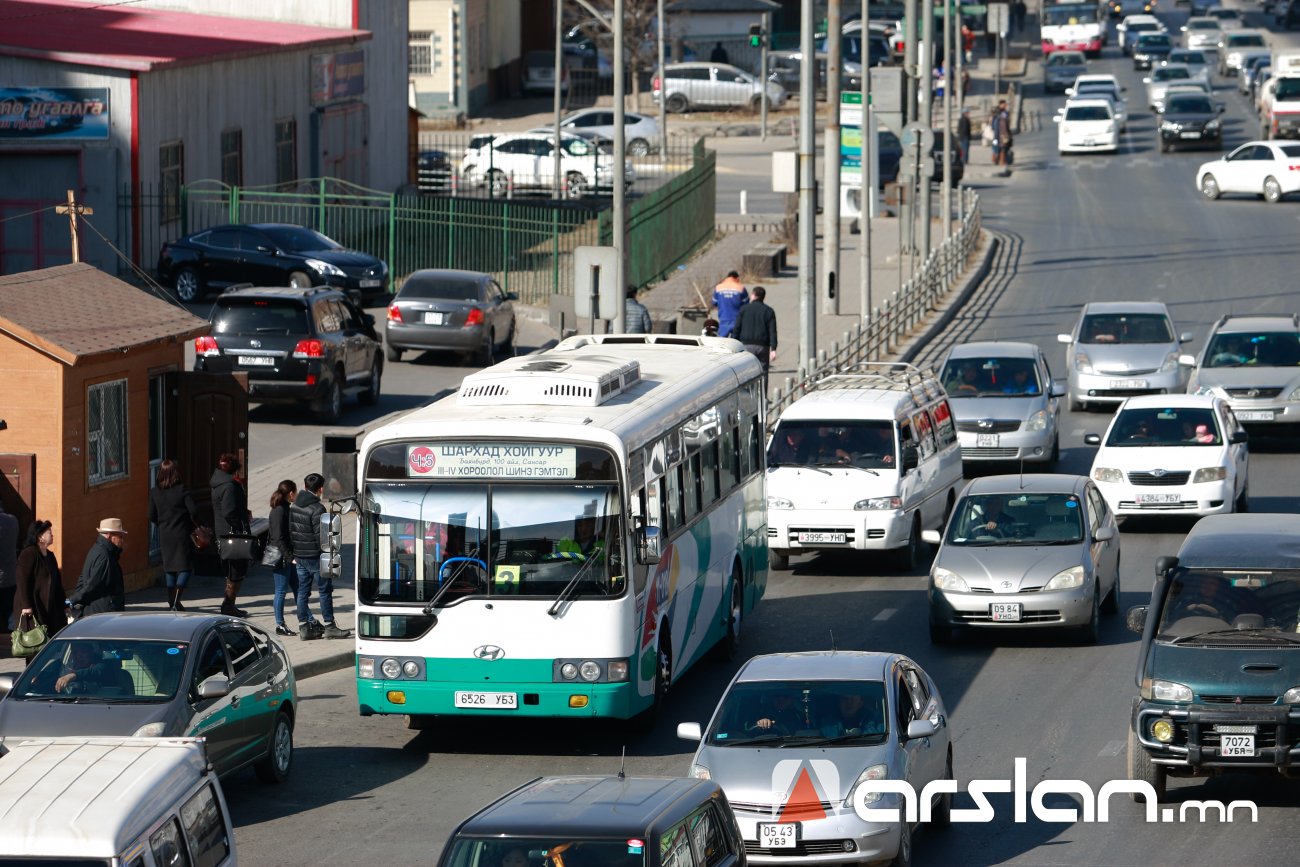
<point x="149" y="283"/>
<point x="28" y="214"/>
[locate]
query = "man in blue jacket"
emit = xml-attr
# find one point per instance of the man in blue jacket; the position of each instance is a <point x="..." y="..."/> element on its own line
<point x="728" y="297"/>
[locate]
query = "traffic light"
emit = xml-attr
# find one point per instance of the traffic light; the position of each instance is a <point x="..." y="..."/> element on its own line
<point x="755" y="35"/>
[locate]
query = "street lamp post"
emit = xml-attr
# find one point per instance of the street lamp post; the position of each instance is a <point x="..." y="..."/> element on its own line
<point x="616" y="171"/>
<point x="807" y="191"/>
<point x="831" y="160"/>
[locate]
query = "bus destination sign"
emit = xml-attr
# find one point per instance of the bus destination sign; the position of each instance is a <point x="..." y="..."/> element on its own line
<point x="492" y="461"/>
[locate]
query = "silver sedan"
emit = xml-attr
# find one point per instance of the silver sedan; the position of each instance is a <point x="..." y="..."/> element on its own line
<point x="1025" y="551"/>
<point x="796" y="734"/>
<point x="463" y="311"/>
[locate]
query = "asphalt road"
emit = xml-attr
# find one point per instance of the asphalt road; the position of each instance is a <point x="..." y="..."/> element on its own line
<point x="1129" y="226"/>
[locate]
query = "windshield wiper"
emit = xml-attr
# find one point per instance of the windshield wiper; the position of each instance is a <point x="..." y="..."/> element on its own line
<point x="572" y="586"/>
<point x="818" y="742"/>
<point x="1257" y="632"/>
<point x="803" y="467"/>
<point x="761" y="739"/>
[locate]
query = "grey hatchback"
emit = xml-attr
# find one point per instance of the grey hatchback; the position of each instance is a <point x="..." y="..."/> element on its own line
<point x="463" y="311"/>
<point x="162" y="675"/>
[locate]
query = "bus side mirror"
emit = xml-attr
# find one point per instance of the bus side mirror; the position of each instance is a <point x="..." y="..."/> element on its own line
<point x="1165" y="565"/>
<point x="648" y="543"/>
<point x="331" y="545"/>
<point x="1136" y="620"/>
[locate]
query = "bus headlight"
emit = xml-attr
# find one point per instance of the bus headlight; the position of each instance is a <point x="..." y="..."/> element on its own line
<point x="365" y="666"/>
<point x="590" y="671"/>
<point x="391" y="668"/>
<point x="568" y="671"/>
<point x="411" y="668"/>
<point x="618" y="670"/>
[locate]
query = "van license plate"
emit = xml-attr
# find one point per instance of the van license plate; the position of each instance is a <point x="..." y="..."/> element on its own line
<point x="1128" y="383"/>
<point x="986" y="441"/>
<point x="256" y="361"/>
<point x="489" y="700"/>
<point x="1237" y="746"/>
<point x="1162" y="499"/>
<point x="822" y="538"/>
<point x="1005" y="612"/>
<point x="783" y="836"/>
<point x="1254" y="415"/>
<point x="1189" y="135"/>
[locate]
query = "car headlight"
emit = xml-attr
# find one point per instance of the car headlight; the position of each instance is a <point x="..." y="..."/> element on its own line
<point x="1107" y="474"/>
<point x="1037" y="421"/>
<point x="1295" y="394"/>
<point x="875" y="772"/>
<point x="1170" y="126"/>
<point x="1110" y="128"/>
<point x="699" y="772"/>
<point x="1212" y="125"/>
<point x="1291" y="696"/>
<point x="1066" y="579"/>
<point x="875" y="503"/>
<point x="1082" y="362"/>
<point x="1170" y="363"/>
<point x="948" y="581"/>
<point x="779" y="503"/>
<point x="1165" y="690"/>
<point x="322" y="267"/>
<point x="152" y="730"/>
<point x="1210" y="474"/>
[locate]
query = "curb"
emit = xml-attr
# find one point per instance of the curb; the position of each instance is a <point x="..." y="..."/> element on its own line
<point x="972" y="283"/>
<point x="326" y="664"/>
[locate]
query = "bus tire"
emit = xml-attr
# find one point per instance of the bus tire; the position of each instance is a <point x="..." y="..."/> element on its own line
<point x="644" y="723"/>
<point x="778" y="561"/>
<point x="729" y="645"/>
<point x="418" y="722"/>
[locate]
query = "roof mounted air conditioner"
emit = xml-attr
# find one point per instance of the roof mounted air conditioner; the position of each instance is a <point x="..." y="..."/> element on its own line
<point x="587" y="380"/>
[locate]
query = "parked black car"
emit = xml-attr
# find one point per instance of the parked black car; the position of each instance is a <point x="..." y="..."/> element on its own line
<point x="267" y="254"/>
<point x="298" y="346"/>
<point x="958" y="169"/>
<point x="1190" y="120"/>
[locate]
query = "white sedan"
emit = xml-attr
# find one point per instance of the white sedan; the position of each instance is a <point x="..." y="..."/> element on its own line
<point x="1087" y="125"/>
<point x="1178" y="454"/>
<point x="1263" y="168"/>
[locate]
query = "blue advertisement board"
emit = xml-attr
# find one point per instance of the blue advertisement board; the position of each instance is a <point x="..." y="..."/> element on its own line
<point x="54" y="113"/>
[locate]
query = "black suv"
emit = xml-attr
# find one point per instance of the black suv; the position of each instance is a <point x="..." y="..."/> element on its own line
<point x="296" y="345"/>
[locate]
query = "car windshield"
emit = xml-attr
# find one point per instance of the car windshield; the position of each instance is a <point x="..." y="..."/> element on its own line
<point x="1269" y="349"/>
<point x="1016" y="519"/>
<point x="1202" y="25"/>
<point x="851" y="712"/>
<point x="260" y="316"/>
<point x="558" y="851"/>
<point x="103" y="670"/>
<point x="1245" y="40"/>
<point x="1287" y="89"/>
<point x="1165" y="426"/>
<point x="1194" y="58"/>
<point x="1143" y="27"/>
<point x="988" y="377"/>
<point x="1158" y="40"/>
<point x="296" y="239"/>
<point x="1235" y="606"/>
<point x="1169" y="73"/>
<point x="1097" y="91"/>
<point x="1087" y="112"/>
<point x="1190" y="105"/>
<point x="1066" y="59"/>
<point x="445" y="288"/>
<point x="863" y="444"/>
<point x="1126" y="328"/>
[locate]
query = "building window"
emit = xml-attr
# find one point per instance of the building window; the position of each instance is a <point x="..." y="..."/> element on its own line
<point x="286" y="152"/>
<point x="106" y="442"/>
<point x="420" y="53"/>
<point x="171" y="175"/>
<point x="232" y="158"/>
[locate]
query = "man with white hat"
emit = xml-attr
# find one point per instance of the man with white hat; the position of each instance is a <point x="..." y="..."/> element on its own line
<point x="100" y="587"/>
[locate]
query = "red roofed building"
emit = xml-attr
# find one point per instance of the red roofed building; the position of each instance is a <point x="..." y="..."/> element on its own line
<point x="125" y="103"/>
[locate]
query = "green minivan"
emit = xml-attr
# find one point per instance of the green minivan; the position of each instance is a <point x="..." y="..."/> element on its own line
<point x="1219" y="663"/>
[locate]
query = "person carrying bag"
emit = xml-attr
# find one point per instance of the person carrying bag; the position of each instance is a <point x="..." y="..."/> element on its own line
<point x="27" y="642"/>
<point x="40" y="593"/>
<point x="231" y="520"/>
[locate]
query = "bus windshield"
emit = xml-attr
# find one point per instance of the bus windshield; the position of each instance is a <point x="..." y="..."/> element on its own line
<point x="1070" y="14"/>
<point x="498" y="539"/>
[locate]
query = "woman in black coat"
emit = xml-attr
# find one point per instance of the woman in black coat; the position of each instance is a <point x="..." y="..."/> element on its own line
<point x="172" y="508"/>
<point x="40" y="584"/>
<point x="230" y="515"/>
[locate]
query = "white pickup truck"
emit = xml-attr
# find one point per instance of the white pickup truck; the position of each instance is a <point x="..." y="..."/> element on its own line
<point x="1279" y="101"/>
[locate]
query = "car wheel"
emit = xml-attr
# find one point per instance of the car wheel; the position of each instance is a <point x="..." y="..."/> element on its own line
<point x="941" y="813"/>
<point x="1209" y="187"/>
<point x="1110" y="605"/>
<point x="1078" y="405"/>
<point x="638" y="147"/>
<point x="392" y="353"/>
<point x="485" y="354"/>
<point x="575" y="185"/>
<point x="676" y="104"/>
<point x="300" y="280"/>
<point x="507" y="348"/>
<point x="274" y="768"/>
<point x="1243" y="502"/>
<point x="370" y="396"/>
<point x="1056" y="450"/>
<point x="909" y="556"/>
<point x="1272" y="190"/>
<point x="331" y="406"/>
<point x="904" y="856"/>
<point x="187" y="284"/>
<point x="1091" y="631"/>
<point x="729" y="646"/>
<point x="1164" y="147"/>
<point x="1140" y="767"/>
<point x="496" y="184"/>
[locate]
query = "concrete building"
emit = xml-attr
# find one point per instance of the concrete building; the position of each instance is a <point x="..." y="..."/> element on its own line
<point x="465" y="54"/>
<point x="125" y="104"/>
<point x="689" y="19"/>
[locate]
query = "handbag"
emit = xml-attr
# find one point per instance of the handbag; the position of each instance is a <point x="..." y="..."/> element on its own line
<point x="28" y="642"/>
<point x="237" y="546"/>
<point x="273" y="555"/>
<point x="201" y="536"/>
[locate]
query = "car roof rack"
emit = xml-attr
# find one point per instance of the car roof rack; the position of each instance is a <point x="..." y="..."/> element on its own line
<point x="884" y="375"/>
<point x="1295" y="317"/>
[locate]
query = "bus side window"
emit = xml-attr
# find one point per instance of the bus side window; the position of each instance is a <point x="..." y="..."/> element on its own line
<point x="727" y="461"/>
<point x="709" y="474"/>
<point x="744" y="462"/>
<point x="674" y="499"/>
<point x="755" y="446"/>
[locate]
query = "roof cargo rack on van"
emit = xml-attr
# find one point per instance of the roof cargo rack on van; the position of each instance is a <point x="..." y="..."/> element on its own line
<point x="887" y="375"/>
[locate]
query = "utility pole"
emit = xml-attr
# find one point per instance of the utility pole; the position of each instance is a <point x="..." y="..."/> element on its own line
<point x="831" y="158"/>
<point x="72" y="209"/>
<point x="945" y="201"/>
<point x="762" y="60"/>
<point x="663" y="107"/>
<point x="907" y="201"/>
<point x="807" y="190"/>
<point x="959" y="47"/>
<point x="559" y="72"/>
<point x="616" y="171"/>
<point x="926" y="83"/>
<point x="868" y="197"/>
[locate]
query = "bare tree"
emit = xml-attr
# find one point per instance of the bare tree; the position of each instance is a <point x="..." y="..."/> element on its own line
<point x="639" y="47"/>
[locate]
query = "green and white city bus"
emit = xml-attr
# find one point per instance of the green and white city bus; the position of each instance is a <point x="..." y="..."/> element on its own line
<point x="566" y="535"/>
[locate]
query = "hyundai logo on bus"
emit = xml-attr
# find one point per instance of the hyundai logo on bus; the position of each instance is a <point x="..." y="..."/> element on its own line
<point x="489" y="652"/>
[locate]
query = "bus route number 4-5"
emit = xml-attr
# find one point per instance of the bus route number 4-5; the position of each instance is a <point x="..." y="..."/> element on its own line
<point x="497" y="700"/>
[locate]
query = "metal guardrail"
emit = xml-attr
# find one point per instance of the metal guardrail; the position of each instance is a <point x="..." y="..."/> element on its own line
<point x="895" y="319"/>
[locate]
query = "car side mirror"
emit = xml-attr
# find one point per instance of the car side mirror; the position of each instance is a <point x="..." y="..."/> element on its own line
<point x="1059" y="388"/>
<point x="1238" y="436"/>
<point x="1186" y="337"/>
<point x="214" y="687"/>
<point x="262" y="248"/>
<point x="1064" y="338"/>
<point x="1104" y="534"/>
<point x="1092" y="439"/>
<point x="689" y="731"/>
<point x="512" y="296"/>
<point x="1165" y="565"/>
<point x="1136" y="620"/>
<point x="921" y="728"/>
<point x="931" y="537"/>
<point x="1069" y="91"/>
<point x="1182" y="29"/>
<point x="1146" y="80"/>
<point x="7" y="683"/>
<point x="911" y="458"/>
<point x="1187" y="360"/>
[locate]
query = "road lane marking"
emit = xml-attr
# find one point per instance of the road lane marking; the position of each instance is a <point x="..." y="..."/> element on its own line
<point x="1112" y="748"/>
<point x="885" y="614"/>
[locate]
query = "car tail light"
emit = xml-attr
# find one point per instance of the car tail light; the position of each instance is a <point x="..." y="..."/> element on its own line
<point x="309" y="349"/>
<point x="475" y="317"/>
<point x="394" y="313"/>
<point x="206" y="346"/>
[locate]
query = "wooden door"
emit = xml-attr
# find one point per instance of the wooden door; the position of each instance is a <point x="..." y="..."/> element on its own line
<point x="18" y="489"/>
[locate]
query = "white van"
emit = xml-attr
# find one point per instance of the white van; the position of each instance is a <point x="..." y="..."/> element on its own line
<point x="119" y="802"/>
<point x="865" y="461"/>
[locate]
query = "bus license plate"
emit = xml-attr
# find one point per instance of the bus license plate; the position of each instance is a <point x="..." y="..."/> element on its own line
<point x="1128" y="383"/>
<point x="822" y="538"/>
<point x="488" y="700"/>
<point x="256" y="361"/>
<point x="1150" y="499"/>
<point x="1005" y="612"/>
<point x="1237" y="746"/>
<point x="1254" y="415"/>
<point x="783" y="836"/>
<point x="986" y="441"/>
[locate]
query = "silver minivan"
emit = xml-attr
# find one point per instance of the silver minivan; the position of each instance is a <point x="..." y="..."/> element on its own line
<point x="687" y="86"/>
